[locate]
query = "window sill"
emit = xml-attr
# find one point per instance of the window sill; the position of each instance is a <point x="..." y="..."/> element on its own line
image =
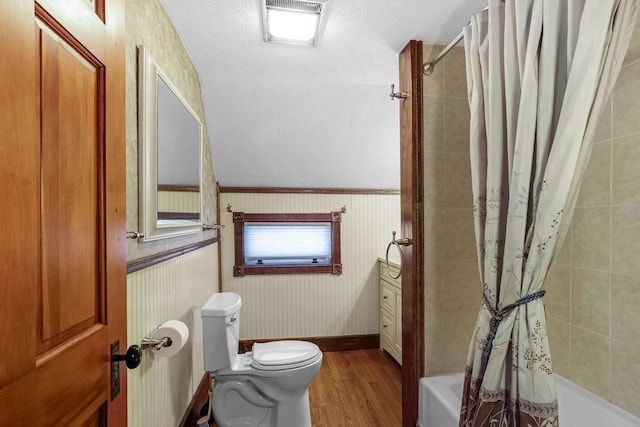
<point x="248" y="270"/>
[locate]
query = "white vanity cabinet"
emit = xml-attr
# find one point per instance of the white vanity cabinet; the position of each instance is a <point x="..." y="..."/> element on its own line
<point x="390" y="310"/>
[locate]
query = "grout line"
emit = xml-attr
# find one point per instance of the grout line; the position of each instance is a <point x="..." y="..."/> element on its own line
<point x="593" y="206"/>
<point x="597" y="270"/>
<point x="635" y="133"/>
<point x="442" y="95"/>
<point x="630" y="63"/>
<point x="591" y="331"/>
<point x="610" y="367"/>
<point x="571" y="302"/>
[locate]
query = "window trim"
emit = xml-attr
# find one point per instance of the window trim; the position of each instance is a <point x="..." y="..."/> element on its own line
<point x="241" y="269"/>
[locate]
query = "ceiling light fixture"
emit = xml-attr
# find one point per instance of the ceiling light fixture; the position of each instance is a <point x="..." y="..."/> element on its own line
<point x="292" y="21"/>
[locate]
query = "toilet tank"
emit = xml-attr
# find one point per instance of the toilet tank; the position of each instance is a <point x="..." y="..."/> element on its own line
<point x="221" y="330"/>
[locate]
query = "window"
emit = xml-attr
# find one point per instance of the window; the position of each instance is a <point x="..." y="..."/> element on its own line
<point x="287" y="243"/>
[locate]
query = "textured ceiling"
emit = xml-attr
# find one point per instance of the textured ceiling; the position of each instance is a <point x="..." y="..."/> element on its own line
<point x="292" y="116"/>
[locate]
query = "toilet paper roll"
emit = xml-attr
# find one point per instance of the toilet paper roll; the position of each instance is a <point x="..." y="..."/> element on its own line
<point x="176" y="331"/>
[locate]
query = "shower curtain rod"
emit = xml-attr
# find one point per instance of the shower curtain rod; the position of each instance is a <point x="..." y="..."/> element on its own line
<point x="427" y="67"/>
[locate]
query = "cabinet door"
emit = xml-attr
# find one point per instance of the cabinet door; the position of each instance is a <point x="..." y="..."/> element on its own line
<point x="387" y="298"/>
<point x="398" y="323"/>
<point x="387" y="327"/>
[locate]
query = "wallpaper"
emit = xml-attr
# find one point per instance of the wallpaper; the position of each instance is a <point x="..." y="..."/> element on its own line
<point x="148" y="25"/>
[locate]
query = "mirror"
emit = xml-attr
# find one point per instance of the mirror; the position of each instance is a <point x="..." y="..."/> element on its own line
<point x="170" y="156"/>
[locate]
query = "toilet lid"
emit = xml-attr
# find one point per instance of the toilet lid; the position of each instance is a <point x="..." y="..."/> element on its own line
<point x="283" y="354"/>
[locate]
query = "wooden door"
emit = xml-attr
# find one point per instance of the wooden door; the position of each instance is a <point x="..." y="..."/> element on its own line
<point x="412" y="217"/>
<point x="62" y="211"/>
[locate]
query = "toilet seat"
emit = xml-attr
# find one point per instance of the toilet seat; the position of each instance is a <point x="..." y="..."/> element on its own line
<point x="282" y="355"/>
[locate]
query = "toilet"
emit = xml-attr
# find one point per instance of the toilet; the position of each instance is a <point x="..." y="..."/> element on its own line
<point x="266" y="387"/>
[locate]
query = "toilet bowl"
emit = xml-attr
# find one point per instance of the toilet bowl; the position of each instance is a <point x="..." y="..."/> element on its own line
<point x="266" y="387"/>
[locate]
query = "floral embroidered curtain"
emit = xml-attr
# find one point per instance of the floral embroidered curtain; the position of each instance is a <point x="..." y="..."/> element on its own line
<point x="539" y="73"/>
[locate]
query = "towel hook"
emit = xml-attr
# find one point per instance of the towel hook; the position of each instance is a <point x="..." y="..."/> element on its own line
<point x="212" y="226"/>
<point x="397" y="95"/>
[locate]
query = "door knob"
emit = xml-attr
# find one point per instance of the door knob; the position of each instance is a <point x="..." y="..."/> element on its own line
<point x="131" y="358"/>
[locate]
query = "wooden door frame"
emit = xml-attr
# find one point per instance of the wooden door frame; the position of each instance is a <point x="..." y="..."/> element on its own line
<point x="412" y="218"/>
<point x="115" y="194"/>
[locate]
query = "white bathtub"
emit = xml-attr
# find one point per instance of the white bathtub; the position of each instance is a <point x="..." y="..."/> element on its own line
<point x="441" y="396"/>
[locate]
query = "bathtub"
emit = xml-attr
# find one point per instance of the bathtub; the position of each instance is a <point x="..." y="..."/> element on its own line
<point x="441" y="396"/>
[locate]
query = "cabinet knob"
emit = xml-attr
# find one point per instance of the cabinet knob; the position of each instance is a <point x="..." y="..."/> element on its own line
<point x="384" y="326"/>
<point x="385" y="297"/>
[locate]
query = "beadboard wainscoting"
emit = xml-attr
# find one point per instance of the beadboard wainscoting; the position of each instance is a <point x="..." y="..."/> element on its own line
<point x="160" y="389"/>
<point x="314" y="305"/>
<point x="179" y="201"/>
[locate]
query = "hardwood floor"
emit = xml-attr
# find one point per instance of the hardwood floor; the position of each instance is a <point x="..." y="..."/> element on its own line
<point x="360" y="388"/>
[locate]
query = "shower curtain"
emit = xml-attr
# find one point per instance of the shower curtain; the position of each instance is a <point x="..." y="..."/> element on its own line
<point x="539" y="74"/>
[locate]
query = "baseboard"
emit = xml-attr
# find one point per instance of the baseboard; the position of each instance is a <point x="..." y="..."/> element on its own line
<point x="326" y="344"/>
<point x="192" y="413"/>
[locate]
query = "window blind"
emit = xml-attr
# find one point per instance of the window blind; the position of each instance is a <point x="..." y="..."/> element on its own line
<point x="287" y="243"/>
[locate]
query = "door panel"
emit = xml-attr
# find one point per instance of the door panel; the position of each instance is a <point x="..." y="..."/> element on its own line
<point x="71" y="142"/>
<point x="64" y="384"/>
<point x="62" y="181"/>
<point x="82" y="19"/>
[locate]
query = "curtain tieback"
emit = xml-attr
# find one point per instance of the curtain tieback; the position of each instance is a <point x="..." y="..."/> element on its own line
<point x="498" y="315"/>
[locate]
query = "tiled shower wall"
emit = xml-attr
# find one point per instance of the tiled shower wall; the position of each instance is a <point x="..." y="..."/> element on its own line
<point x="452" y="291"/>
<point x="593" y="300"/>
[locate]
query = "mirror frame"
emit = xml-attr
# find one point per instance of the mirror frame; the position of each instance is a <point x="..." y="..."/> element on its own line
<point x="148" y="74"/>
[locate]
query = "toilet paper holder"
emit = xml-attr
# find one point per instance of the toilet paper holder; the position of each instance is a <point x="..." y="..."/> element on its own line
<point x="156" y="343"/>
<point x="166" y="339"/>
